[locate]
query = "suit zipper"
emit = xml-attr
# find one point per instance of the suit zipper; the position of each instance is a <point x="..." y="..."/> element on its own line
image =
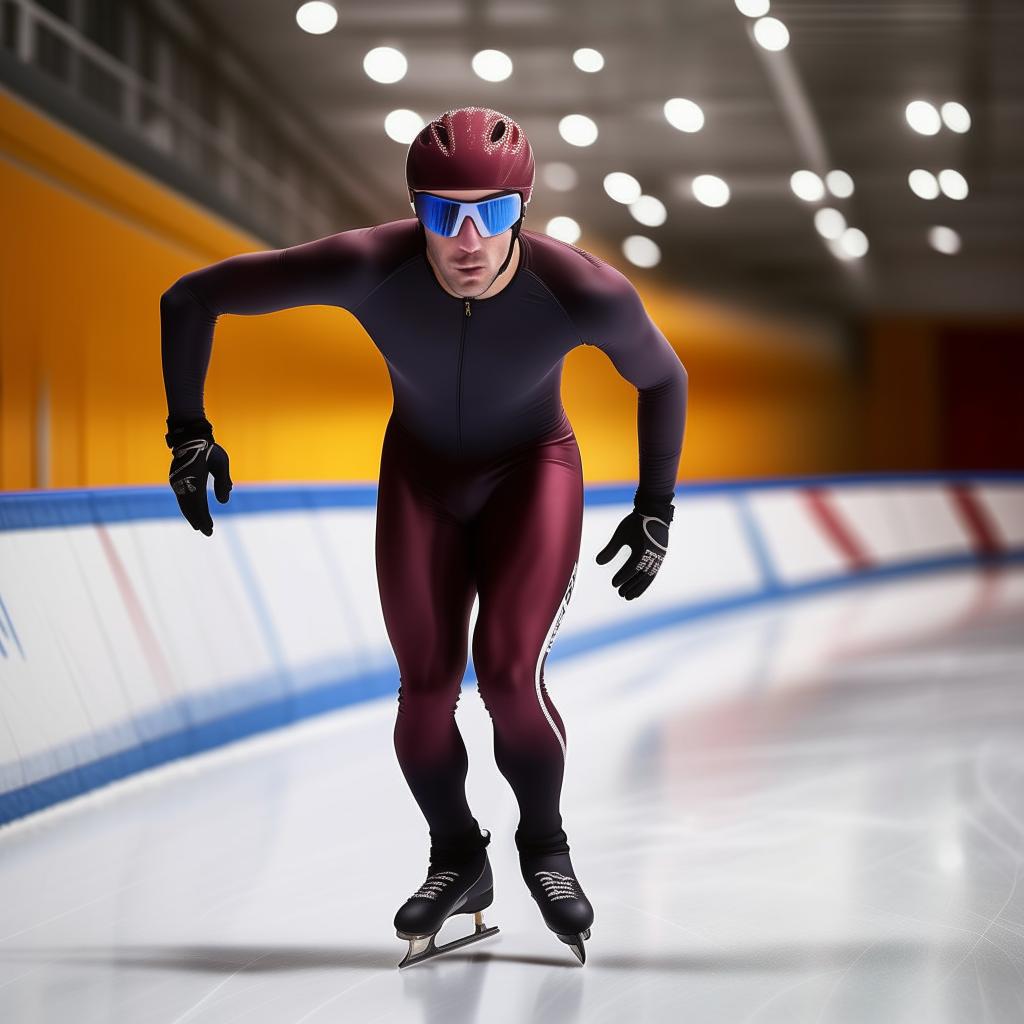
<point x="458" y="394"/>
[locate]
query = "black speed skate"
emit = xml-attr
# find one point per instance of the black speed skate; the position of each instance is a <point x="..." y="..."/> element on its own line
<point x="458" y="882"/>
<point x="553" y="884"/>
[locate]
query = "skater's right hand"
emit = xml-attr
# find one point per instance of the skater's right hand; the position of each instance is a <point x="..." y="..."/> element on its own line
<point x="195" y="458"/>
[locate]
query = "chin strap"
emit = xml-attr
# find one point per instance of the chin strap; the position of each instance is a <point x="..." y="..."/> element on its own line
<point x="511" y="247"/>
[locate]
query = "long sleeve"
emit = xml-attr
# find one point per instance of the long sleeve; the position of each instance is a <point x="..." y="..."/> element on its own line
<point x="615" y="321"/>
<point x="336" y="270"/>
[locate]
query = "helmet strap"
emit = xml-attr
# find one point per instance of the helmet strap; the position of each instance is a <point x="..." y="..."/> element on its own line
<point x="511" y="246"/>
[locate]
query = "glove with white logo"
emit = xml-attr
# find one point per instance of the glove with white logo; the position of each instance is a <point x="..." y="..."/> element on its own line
<point x="645" y="532"/>
<point x="195" y="458"/>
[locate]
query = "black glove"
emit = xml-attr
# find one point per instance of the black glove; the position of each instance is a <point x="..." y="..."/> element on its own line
<point x="645" y="532"/>
<point x="196" y="457"/>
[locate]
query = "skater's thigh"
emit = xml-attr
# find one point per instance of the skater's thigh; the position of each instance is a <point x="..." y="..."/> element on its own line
<point x="527" y="547"/>
<point x="425" y="581"/>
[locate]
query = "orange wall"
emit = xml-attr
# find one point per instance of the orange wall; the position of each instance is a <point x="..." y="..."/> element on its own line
<point x="89" y="245"/>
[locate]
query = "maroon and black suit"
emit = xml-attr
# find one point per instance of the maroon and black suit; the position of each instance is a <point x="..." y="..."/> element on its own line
<point x="481" y="484"/>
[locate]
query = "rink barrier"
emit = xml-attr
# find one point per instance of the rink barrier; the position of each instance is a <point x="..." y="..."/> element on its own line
<point x="127" y="640"/>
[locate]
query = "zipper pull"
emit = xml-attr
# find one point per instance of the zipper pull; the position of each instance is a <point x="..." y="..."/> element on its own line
<point x="468" y="311"/>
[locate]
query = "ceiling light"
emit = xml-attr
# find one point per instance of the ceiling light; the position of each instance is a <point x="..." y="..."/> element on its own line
<point x="641" y="251"/>
<point x="385" y="64"/>
<point x="684" y="115"/>
<point x="577" y="130"/>
<point x="807" y="185"/>
<point x="753" y="8"/>
<point x="710" y="190"/>
<point x="953" y="184"/>
<point x="944" y="240"/>
<point x="492" y="65"/>
<point x="923" y="117"/>
<point x="771" y="33"/>
<point x="403" y="125"/>
<point x="956" y="117"/>
<point x="622" y="187"/>
<point x="840" y="184"/>
<point x="854" y="242"/>
<point x="923" y="183"/>
<point x="649" y="211"/>
<point x="565" y="229"/>
<point x="558" y="176"/>
<point x="316" y="18"/>
<point x="829" y="223"/>
<point x="587" y="59"/>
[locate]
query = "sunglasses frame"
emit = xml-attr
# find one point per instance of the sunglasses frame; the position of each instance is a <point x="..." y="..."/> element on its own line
<point x="470" y="209"/>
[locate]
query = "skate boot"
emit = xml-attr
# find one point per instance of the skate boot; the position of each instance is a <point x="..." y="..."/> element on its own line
<point x="459" y="881"/>
<point x="549" y="875"/>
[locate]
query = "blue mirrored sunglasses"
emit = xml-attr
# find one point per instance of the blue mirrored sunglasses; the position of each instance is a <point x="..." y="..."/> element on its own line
<point x="445" y="216"/>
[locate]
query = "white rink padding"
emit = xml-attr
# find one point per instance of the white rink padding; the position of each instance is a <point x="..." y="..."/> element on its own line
<point x="127" y="639"/>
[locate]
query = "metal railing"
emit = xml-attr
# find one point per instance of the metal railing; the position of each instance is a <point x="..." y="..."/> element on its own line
<point x="150" y="111"/>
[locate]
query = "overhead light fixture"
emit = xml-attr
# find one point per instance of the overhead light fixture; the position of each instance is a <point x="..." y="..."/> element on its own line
<point x="807" y="185"/>
<point x="587" y="59"/>
<point x="710" y="190"/>
<point x="559" y="176"/>
<point x="829" y="223"/>
<point x="771" y="34"/>
<point x="316" y="17"/>
<point x="649" y="211"/>
<point x="944" y="240"/>
<point x="953" y="184"/>
<point x="385" y="64"/>
<point x="403" y="125"/>
<point x="840" y="184"/>
<point x="753" y="8"/>
<point x="684" y="114"/>
<point x="923" y="183"/>
<point x="622" y="187"/>
<point x="956" y="117"/>
<point x="565" y="229"/>
<point x="492" y="65"/>
<point x="578" y="130"/>
<point x="641" y="251"/>
<point x="850" y="245"/>
<point x="923" y="117"/>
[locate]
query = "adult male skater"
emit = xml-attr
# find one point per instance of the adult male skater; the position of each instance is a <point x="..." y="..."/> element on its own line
<point x="481" y="484"/>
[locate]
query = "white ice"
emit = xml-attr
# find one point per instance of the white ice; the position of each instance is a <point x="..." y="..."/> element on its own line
<point x="807" y="812"/>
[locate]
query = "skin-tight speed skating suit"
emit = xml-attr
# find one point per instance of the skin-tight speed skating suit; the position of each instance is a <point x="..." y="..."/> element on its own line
<point x="481" y="485"/>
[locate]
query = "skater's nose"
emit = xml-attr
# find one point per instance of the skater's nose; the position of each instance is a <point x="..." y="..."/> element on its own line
<point x="469" y="236"/>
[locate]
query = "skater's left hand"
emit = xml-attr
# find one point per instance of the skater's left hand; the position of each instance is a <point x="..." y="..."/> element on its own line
<point x="645" y="532"/>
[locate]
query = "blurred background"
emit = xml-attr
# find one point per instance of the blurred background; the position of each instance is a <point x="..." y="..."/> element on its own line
<point x="819" y="203"/>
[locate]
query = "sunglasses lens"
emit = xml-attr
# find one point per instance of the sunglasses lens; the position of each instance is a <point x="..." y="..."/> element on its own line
<point x="439" y="215"/>
<point x="501" y="213"/>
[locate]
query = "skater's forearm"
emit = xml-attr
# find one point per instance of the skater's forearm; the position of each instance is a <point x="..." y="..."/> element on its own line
<point x="660" y="423"/>
<point x="186" y="340"/>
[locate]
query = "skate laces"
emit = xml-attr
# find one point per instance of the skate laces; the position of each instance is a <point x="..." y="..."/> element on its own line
<point x="558" y="886"/>
<point x="434" y="885"/>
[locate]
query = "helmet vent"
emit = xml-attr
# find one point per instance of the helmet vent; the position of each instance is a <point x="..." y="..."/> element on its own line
<point x="498" y="131"/>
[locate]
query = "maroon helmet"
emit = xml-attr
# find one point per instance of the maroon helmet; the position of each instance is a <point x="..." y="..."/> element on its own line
<point x="471" y="148"/>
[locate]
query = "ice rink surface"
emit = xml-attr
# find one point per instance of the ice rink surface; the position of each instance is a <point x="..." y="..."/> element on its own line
<point x="805" y="812"/>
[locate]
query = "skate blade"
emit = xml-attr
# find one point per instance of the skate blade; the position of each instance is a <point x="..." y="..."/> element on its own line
<point x="422" y="947"/>
<point x="575" y="943"/>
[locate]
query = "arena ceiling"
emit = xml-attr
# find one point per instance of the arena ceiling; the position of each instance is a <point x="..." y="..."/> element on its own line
<point x="834" y="98"/>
